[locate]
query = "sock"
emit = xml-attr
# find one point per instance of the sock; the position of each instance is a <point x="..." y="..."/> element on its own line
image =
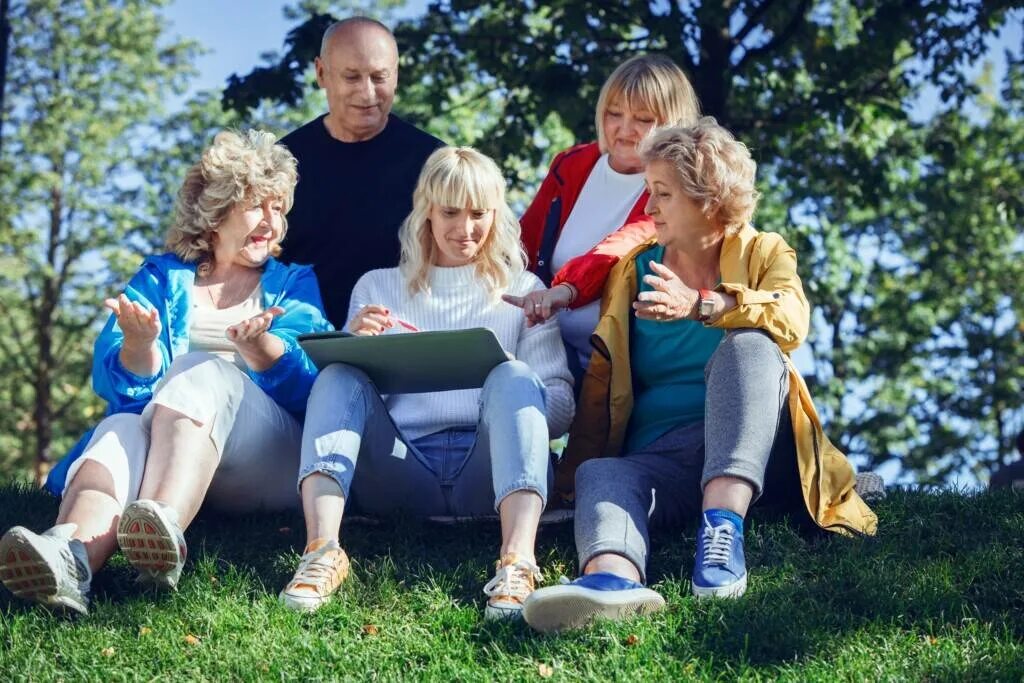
<point x="717" y="516"/>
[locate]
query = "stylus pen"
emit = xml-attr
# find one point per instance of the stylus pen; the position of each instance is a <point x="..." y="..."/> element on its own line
<point x="408" y="326"/>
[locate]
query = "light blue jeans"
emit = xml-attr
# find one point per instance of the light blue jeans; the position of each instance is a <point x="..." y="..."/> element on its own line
<point x="350" y="436"/>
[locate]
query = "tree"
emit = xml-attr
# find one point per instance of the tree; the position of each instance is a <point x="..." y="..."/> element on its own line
<point x="820" y="91"/>
<point x="86" y="85"/>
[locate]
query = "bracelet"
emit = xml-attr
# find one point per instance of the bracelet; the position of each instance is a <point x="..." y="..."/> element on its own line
<point x="572" y="290"/>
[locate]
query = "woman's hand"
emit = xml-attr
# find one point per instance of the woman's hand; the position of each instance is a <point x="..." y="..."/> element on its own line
<point x="248" y="332"/>
<point x="258" y="349"/>
<point x="370" y="320"/>
<point x="541" y="304"/>
<point x="669" y="300"/>
<point x="140" y="327"/>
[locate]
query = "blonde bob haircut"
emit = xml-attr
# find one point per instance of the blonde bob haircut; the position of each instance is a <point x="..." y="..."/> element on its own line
<point x="461" y="177"/>
<point x="239" y="167"/>
<point x="715" y="169"/>
<point x="648" y="82"/>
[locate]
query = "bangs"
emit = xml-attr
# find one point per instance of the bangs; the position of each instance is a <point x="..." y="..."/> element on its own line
<point x="641" y="92"/>
<point x="460" y="183"/>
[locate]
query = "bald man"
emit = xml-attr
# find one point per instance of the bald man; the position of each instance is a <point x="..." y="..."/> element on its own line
<point x="358" y="164"/>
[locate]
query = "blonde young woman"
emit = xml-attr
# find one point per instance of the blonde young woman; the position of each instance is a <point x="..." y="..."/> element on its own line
<point x="204" y="379"/>
<point x="448" y="453"/>
<point x="589" y="210"/>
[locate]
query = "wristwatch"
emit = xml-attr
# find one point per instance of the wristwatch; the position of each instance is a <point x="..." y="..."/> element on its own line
<point x="705" y="305"/>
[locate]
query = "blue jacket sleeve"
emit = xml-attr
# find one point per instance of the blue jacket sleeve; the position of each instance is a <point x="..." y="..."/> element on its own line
<point x="123" y="390"/>
<point x="289" y="380"/>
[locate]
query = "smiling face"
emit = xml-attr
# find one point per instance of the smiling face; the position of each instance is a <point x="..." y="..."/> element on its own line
<point x="458" y="234"/>
<point x="678" y="219"/>
<point x="249" y="232"/>
<point x="624" y="128"/>
<point x="359" y="74"/>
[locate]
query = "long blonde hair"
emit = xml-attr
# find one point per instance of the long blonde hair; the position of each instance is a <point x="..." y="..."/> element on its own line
<point x="461" y="177"/>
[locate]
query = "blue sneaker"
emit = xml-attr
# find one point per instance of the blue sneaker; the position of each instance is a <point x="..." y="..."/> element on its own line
<point x="577" y="603"/>
<point x="719" y="570"/>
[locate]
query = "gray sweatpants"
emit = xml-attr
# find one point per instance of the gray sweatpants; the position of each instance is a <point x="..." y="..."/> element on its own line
<point x="746" y="421"/>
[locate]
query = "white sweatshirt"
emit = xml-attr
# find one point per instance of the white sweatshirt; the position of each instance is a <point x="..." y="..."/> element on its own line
<point x="457" y="300"/>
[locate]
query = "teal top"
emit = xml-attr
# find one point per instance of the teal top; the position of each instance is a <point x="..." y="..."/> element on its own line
<point x="667" y="361"/>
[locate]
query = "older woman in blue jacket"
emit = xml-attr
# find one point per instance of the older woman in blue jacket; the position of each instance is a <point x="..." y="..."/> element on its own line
<point x="205" y="381"/>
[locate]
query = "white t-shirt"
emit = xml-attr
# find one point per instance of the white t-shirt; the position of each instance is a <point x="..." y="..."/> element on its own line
<point x="604" y="204"/>
<point x="207" y="326"/>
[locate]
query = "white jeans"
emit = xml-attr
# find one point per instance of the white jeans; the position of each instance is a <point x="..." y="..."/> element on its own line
<point x="257" y="441"/>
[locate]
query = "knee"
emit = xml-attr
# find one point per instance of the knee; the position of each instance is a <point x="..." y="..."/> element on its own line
<point x="337" y="380"/>
<point x="747" y="345"/>
<point x="509" y="373"/>
<point x="596" y="470"/>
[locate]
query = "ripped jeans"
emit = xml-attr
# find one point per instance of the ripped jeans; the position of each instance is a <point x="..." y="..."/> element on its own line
<point x="350" y="437"/>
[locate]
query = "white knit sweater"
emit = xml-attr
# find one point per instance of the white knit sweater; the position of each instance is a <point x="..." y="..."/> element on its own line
<point x="457" y="300"/>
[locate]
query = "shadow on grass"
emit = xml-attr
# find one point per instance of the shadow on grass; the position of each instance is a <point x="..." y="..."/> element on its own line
<point x="940" y="561"/>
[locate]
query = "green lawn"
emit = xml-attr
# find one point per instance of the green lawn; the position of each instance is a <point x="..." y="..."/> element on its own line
<point x="939" y="595"/>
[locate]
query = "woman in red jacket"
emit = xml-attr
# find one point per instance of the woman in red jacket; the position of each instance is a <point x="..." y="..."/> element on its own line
<point x="589" y="210"/>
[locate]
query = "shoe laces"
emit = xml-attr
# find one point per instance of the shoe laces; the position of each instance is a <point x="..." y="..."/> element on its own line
<point x="718" y="543"/>
<point x="317" y="571"/>
<point x="513" y="579"/>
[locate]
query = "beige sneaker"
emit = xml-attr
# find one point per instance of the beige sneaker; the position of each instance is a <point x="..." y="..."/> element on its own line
<point x="513" y="582"/>
<point x="322" y="569"/>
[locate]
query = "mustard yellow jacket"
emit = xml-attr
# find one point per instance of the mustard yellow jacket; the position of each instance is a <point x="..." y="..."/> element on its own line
<point x="759" y="269"/>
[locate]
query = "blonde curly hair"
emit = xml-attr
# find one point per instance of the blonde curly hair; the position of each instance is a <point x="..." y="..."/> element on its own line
<point x="240" y="166"/>
<point x="461" y="177"/>
<point x="715" y="169"/>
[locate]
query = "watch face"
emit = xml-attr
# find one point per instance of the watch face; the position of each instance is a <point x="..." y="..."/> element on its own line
<point x="707" y="307"/>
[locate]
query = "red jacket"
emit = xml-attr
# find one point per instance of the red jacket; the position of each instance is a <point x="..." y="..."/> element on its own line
<point x="543" y="221"/>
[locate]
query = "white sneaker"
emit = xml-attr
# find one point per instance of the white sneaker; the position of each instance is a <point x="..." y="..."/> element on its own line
<point x="48" y="568"/>
<point x="513" y="582"/>
<point x="151" y="540"/>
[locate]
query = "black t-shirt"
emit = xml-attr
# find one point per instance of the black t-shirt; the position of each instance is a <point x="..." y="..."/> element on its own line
<point x="349" y="203"/>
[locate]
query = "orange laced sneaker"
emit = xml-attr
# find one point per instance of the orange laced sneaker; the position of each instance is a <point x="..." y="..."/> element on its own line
<point x="513" y="582"/>
<point x="322" y="569"/>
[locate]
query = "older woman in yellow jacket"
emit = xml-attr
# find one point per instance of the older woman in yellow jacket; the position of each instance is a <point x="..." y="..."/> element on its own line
<point x="691" y="382"/>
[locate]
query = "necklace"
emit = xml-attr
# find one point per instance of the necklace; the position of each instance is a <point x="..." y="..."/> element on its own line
<point x="230" y="289"/>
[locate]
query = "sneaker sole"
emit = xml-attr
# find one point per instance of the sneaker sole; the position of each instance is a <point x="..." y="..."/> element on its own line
<point x="503" y="613"/>
<point x="27" y="574"/>
<point x="565" y="607"/>
<point x="148" y="544"/>
<point x="733" y="590"/>
<point x="302" y="604"/>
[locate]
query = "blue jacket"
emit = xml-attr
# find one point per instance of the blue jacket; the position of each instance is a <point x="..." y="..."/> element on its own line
<point x="164" y="282"/>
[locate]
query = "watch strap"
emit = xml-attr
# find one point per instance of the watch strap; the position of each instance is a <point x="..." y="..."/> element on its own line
<point x="705" y="305"/>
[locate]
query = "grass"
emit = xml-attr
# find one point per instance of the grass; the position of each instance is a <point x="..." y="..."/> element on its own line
<point x="938" y="595"/>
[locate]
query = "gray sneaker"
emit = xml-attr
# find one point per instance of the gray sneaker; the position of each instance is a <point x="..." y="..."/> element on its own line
<point x="870" y="486"/>
<point x="152" y="541"/>
<point x="49" y="568"/>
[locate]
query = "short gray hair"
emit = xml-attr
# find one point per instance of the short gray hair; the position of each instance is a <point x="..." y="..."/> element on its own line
<point x="344" y="23"/>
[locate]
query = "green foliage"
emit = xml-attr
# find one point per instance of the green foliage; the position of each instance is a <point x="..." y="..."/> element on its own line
<point x="85" y="85"/>
<point x="935" y="596"/>
<point x="910" y="363"/>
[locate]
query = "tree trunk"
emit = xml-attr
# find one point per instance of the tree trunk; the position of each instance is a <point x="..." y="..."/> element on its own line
<point x="43" y="410"/>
